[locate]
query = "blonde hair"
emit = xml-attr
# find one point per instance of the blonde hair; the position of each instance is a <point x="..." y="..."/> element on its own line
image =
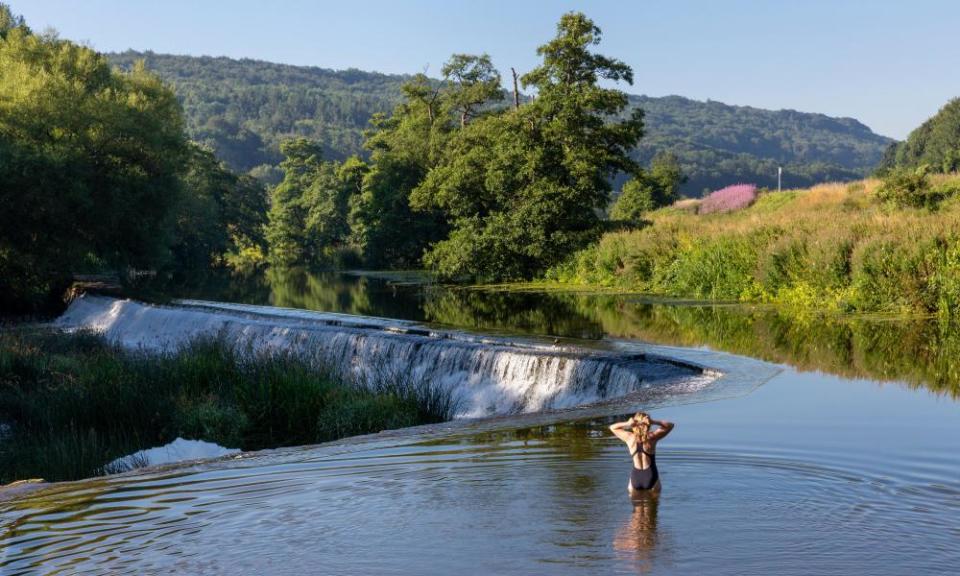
<point x="641" y="426"/>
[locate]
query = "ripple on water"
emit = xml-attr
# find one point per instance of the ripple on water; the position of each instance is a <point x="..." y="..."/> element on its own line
<point x="492" y="505"/>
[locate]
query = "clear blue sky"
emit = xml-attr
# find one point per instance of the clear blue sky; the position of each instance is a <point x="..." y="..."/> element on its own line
<point x="889" y="63"/>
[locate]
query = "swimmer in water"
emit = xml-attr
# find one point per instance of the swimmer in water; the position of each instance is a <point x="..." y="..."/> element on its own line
<point x="642" y="444"/>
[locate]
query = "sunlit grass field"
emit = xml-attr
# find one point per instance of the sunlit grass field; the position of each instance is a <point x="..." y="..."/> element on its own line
<point x="834" y="247"/>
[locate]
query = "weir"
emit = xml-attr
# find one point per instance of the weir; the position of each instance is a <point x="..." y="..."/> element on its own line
<point x="485" y="375"/>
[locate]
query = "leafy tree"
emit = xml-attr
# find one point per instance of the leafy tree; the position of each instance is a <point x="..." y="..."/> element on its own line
<point x="327" y="203"/>
<point x="286" y="231"/>
<point x="648" y="191"/>
<point x="9" y="21"/>
<point x="220" y="215"/>
<point x="403" y="148"/>
<point x="668" y="177"/>
<point x="90" y="164"/>
<point x="473" y="82"/>
<point x="935" y="143"/>
<point x="310" y="208"/>
<point x="635" y="200"/>
<point x="523" y="188"/>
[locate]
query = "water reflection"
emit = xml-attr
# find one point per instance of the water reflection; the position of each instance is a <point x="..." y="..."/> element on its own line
<point x="637" y="540"/>
<point x="920" y="352"/>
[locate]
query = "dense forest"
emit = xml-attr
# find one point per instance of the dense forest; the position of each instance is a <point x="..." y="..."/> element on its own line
<point x="97" y="174"/>
<point x="934" y="145"/>
<point x="719" y="144"/>
<point x="244" y="109"/>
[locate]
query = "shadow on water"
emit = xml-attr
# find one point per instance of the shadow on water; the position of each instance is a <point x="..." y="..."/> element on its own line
<point x="917" y="351"/>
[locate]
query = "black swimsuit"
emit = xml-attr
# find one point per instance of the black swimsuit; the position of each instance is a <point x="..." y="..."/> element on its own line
<point x="647" y="478"/>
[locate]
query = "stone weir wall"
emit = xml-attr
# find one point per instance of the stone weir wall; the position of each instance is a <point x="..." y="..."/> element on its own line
<point x="487" y="376"/>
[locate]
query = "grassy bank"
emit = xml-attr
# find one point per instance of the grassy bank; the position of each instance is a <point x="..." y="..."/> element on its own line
<point x="840" y="247"/>
<point x="75" y="402"/>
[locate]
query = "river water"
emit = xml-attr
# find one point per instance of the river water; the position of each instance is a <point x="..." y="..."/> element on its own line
<point x="840" y="458"/>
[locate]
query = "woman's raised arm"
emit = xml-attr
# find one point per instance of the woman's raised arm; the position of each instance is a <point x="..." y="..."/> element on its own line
<point x="663" y="428"/>
<point x="620" y="429"/>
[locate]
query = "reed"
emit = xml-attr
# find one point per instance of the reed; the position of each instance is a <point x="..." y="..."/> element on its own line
<point x="75" y="401"/>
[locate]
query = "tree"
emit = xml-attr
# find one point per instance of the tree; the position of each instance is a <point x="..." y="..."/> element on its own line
<point x="90" y="165"/>
<point x="420" y="94"/>
<point x="473" y="82"/>
<point x="667" y="175"/>
<point x="647" y="191"/>
<point x="327" y="204"/>
<point x="523" y="187"/>
<point x="309" y="217"/>
<point x="403" y="148"/>
<point x="219" y="216"/>
<point x="636" y="199"/>
<point x="9" y="21"/>
<point x="286" y="233"/>
<point x="935" y="143"/>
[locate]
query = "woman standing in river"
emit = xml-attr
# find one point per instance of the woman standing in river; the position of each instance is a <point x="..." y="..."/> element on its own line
<point x="642" y="444"/>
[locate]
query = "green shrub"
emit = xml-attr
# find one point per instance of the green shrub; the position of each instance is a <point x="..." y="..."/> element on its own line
<point x="718" y="269"/>
<point x="783" y="264"/>
<point x="637" y="197"/>
<point x="910" y="188"/>
<point x="894" y="274"/>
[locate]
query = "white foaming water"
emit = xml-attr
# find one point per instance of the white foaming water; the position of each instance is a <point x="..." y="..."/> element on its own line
<point x="177" y="451"/>
<point x="485" y="376"/>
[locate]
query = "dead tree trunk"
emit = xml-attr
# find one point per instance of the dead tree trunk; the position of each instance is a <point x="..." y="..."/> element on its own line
<point x="516" y="91"/>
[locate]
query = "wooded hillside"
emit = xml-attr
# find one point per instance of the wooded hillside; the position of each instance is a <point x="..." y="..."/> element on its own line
<point x="244" y="108"/>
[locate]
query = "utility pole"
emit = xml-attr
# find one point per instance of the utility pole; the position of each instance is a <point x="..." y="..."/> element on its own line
<point x="779" y="177"/>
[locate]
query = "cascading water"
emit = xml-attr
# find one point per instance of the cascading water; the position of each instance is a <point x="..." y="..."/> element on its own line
<point x="485" y="376"/>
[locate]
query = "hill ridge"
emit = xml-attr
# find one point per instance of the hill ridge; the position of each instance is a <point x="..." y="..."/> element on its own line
<point x="243" y="107"/>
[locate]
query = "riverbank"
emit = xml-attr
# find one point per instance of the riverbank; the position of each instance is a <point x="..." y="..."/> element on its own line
<point x="834" y="247"/>
<point x="76" y="402"/>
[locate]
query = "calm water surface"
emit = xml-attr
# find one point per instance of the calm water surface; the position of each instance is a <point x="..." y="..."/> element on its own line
<point x="811" y="473"/>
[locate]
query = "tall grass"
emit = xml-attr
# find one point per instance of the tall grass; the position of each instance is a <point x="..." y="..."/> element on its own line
<point x="75" y="402"/>
<point x="838" y="247"/>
